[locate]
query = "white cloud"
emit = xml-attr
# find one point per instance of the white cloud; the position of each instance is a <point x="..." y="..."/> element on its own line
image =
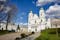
<point x="33" y="2"/>
<point x="21" y="17"/>
<point x="53" y="10"/>
<point x="43" y="2"/>
<point x="2" y="0"/>
<point x="6" y="9"/>
<point x="23" y="23"/>
<point x="1" y="7"/>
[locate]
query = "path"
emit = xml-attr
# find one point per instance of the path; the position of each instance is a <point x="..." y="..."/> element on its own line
<point x="32" y="37"/>
<point x="11" y="36"/>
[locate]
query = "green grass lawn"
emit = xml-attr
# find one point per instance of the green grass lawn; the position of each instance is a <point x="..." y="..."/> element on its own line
<point x="2" y="32"/>
<point x="49" y="34"/>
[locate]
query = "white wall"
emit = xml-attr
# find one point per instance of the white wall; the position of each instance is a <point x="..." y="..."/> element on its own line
<point x="10" y="26"/>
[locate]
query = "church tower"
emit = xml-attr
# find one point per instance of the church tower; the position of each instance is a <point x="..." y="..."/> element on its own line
<point x="36" y="23"/>
<point x="30" y="18"/>
<point x="42" y="19"/>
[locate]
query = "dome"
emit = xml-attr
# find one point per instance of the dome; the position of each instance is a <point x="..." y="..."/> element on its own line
<point x="31" y="14"/>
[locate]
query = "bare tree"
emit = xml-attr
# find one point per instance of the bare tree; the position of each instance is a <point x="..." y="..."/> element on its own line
<point x="7" y="12"/>
<point x="10" y="15"/>
<point x="2" y="15"/>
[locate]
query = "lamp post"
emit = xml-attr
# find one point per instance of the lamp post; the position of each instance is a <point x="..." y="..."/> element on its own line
<point x="56" y="30"/>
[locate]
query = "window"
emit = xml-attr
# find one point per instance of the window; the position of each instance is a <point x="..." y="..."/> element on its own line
<point x="35" y="29"/>
<point x="35" y="21"/>
<point x="41" y="20"/>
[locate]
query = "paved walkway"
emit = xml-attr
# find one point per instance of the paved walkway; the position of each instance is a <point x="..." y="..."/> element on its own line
<point x="32" y="37"/>
<point x="12" y="36"/>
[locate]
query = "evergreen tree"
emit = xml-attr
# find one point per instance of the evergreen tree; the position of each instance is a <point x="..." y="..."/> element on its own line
<point x="18" y="28"/>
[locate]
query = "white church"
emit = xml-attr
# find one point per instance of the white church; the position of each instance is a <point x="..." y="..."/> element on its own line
<point x="37" y="23"/>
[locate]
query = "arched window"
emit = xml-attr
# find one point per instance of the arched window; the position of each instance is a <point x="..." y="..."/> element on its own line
<point x="35" y="21"/>
<point x="41" y="20"/>
<point x="35" y="29"/>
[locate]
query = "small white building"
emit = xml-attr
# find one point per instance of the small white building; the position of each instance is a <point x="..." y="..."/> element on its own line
<point x="55" y="23"/>
<point x="10" y="26"/>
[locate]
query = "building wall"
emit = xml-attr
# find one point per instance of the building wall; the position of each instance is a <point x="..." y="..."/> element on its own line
<point x="38" y="21"/>
<point x="10" y="26"/>
<point x="3" y="25"/>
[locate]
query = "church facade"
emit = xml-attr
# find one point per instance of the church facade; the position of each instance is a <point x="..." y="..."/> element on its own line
<point x="37" y="23"/>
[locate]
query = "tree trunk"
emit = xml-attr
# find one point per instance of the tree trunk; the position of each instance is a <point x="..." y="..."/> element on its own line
<point x="8" y="20"/>
<point x="7" y="26"/>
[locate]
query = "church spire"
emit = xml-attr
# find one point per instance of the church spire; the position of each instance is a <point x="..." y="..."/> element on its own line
<point x="42" y="15"/>
<point x="41" y="12"/>
<point x="30" y="14"/>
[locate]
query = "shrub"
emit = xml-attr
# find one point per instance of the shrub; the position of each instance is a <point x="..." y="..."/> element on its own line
<point x="33" y="33"/>
<point x="17" y="38"/>
<point x="12" y="31"/>
<point x="23" y="35"/>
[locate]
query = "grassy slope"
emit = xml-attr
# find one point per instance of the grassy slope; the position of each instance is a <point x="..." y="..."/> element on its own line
<point x="49" y="34"/>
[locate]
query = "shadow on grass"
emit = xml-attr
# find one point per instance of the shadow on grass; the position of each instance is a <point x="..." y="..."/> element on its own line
<point x="2" y="32"/>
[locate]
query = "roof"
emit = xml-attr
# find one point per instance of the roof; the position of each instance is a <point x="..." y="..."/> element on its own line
<point x="55" y="21"/>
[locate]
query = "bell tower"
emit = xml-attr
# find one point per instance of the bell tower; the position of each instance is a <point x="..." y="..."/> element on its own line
<point x="30" y="21"/>
<point x="42" y="18"/>
<point x="42" y="15"/>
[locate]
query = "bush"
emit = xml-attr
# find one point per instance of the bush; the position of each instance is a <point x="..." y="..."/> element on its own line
<point x="23" y="35"/>
<point x="12" y="31"/>
<point x="17" y="38"/>
<point x="33" y="33"/>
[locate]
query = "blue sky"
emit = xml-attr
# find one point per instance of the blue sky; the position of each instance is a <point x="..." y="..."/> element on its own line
<point x="25" y="6"/>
